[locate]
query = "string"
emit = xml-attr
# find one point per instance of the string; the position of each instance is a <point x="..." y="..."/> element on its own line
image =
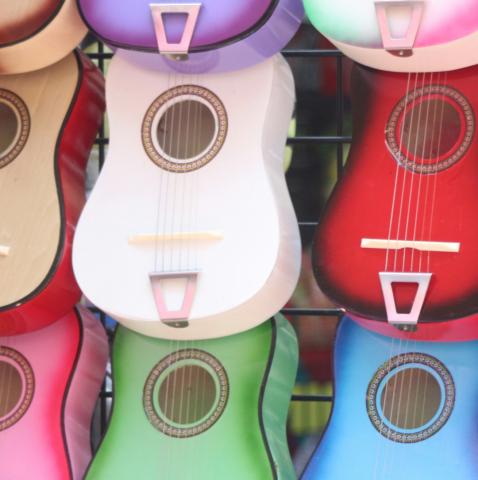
<point x="196" y="142"/>
<point x="428" y="176"/>
<point x="394" y="379"/>
<point x="189" y="244"/>
<point x="395" y="188"/>
<point x="419" y="171"/>
<point x="435" y="175"/>
<point x="405" y="177"/>
<point x="168" y="139"/>
<point x="435" y="171"/>
<point x="386" y="266"/>
<point x="415" y="172"/>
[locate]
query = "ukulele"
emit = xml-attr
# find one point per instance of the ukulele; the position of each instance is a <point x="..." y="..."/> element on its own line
<point x="37" y="33"/>
<point x="209" y="409"/>
<point x="206" y="36"/>
<point x="401" y="221"/>
<point x="49" y="383"/>
<point x="189" y="232"/>
<point x="402" y="409"/>
<point x="49" y="119"/>
<point x="401" y="35"/>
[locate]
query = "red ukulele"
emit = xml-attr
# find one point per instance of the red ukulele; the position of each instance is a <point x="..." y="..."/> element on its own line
<point x="399" y="239"/>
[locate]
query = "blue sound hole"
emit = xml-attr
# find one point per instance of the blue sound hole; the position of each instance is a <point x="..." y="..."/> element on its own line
<point x="411" y="398"/>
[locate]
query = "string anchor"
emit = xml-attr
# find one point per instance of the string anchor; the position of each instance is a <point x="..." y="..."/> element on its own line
<point x="174" y="318"/>
<point x="401" y="46"/>
<point x="175" y="50"/>
<point x="410" y="319"/>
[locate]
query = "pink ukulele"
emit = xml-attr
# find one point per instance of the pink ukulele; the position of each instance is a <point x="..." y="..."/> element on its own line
<point x="49" y="383"/>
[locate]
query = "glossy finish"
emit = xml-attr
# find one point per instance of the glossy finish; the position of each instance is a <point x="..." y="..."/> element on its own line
<point x="55" y="293"/>
<point x="37" y="33"/>
<point x="52" y="439"/>
<point x="353" y="448"/>
<point x="446" y="39"/>
<point x="227" y="36"/>
<point x="377" y="196"/>
<point x="222" y="217"/>
<point x="247" y="441"/>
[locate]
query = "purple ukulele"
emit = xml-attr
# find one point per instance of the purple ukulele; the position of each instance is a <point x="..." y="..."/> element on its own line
<point x="211" y="35"/>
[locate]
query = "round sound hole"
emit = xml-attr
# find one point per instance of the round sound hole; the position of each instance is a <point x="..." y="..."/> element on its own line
<point x="196" y="390"/>
<point x="184" y="128"/>
<point x="410" y="398"/>
<point x="11" y="387"/>
<point x="21" y="19"/>
<point x="430" y="129"/>
<point x="15" y="126"/>
<point x="186" y="393"/>
<point x="9" y="130"/>
<point x="16" y="387"/>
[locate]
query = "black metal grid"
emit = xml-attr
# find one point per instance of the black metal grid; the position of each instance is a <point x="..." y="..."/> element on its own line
<point x="101" y="55"/>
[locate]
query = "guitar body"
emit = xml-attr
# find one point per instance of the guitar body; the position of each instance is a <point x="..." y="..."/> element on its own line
<point x="49" y="384"/>
<point x="416" y="182"/>
<point x="401" y="410"/>
<point x="49" y="122"/>
<point x="209" y="409"/>
<point x="37" y="33"/>
<point x="444" y="37"/>
<point x="193" y="186"/>
<point x="226" y="36"/>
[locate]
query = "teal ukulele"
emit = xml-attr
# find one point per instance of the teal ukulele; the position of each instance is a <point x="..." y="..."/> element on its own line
<point x="208" y="409"/>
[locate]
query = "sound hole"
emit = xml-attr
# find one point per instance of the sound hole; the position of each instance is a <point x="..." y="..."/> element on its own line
<point x="411" y="398"/>
<point x="186" y="129"/>
<point x="16" y="387"/>
<point x="187" y="395"/>
<point x="10" y="388"/>
<point x="430" y="129"/>
<point x="9" y="128"/>
<point x="22" y="18"/>
<point x="14" y="126"/>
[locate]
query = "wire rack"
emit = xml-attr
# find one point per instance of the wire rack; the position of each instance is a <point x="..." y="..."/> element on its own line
<point x="336" y="138"/>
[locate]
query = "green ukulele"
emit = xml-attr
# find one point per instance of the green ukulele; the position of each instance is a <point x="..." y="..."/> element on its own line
<point x="206" y="409"/>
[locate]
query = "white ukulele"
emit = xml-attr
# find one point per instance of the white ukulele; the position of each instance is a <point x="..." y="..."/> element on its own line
<point x="189" y="232"/>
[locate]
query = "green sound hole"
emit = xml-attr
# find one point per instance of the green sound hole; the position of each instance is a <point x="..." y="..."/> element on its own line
<point x="187" y="395"/>
<point x="186" y="129"/>
<point x="10" y="388"/>
<point x="411" y="398"/>
<point x="9" y="128"/>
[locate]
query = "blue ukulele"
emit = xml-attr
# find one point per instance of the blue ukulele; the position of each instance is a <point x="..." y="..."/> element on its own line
<point x="404" y="409"/>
